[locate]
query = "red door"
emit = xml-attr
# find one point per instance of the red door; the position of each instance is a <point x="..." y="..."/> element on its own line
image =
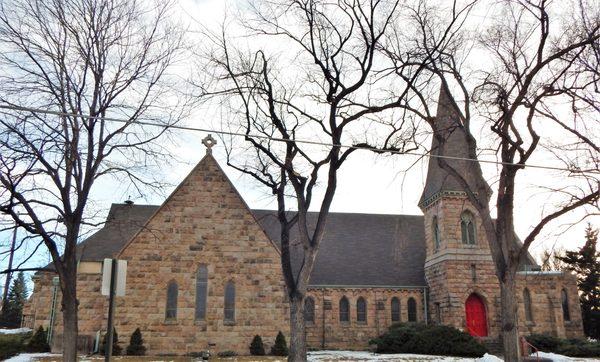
<point x="476" y="316"/>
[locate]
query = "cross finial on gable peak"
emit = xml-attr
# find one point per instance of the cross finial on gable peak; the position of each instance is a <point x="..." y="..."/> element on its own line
<point x="209" y="142"/>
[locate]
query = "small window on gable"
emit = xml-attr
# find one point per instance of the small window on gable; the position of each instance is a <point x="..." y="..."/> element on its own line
<point x="412" y="309"/>
<point x="309" y="310"/>
<point x="527" y="305"/>
<point x="564" y="298"/>
<point x="172" y="293"/>
<point x="361" y="310"/>
<point x="344" y="310"/>
<point x="201" y="292"/>
<point x="436" y="233"/>
<point x="229" y="308"/>
<point x="467" y="228"/>
<point x="395" y="308"/>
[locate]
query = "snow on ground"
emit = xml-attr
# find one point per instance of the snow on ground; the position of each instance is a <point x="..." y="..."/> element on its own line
<point x="15" y="331"/>
<point x="319" y="356"/>
<point x="28" y="357"/>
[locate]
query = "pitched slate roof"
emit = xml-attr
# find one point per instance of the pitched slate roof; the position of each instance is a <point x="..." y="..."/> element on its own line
<point x="361" y="249"/>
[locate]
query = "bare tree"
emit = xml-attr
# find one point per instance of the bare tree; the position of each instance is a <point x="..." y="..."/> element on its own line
<point x="81" y="63"/>
<point x="527" y="63"/>
<point x="332" y="84"/>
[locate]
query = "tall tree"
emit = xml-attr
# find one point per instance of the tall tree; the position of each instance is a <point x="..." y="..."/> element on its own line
<point x="333" y="84"/>
<point x="585" y="263"/>
<point x="526" y="62"/>
<point x="12" y="309"/>
<point x="68" y="69"/>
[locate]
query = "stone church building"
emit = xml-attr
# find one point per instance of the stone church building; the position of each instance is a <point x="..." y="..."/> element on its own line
<point x="204" y="271"/>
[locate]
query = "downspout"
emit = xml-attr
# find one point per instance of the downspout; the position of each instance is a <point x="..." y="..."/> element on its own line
<point x="55" y="283"/>
<point x="323" y="318"/>
<point x="425" y="306"/>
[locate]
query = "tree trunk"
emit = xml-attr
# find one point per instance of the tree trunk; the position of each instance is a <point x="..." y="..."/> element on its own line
<point x="70" y="318"/>
<point x="297" y="331"/>
<point x="510" y="331"/>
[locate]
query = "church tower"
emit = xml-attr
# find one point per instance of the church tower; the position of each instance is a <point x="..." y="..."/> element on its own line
<point x="463" y="289"/>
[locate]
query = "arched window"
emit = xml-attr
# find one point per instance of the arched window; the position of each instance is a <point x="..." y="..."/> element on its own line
<point x="565" y="305"/>
<point x="361" y="310"/>
<point x="527" y="304"/>
<point x="172" y="292"/>
<point x="201" y="292"/>
<point x="229" y="302"/>
<point x="309" y="310"/>
<point x="395" y="308"/>
<point x="436" y="233"/>
<point x="467" y="228"/>
<point x="344" y="310"/>
<point x="412" y="309"/>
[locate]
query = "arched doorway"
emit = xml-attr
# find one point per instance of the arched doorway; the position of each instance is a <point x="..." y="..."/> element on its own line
<point x="476" y="316"/>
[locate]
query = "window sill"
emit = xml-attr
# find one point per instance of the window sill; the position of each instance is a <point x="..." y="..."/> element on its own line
<point x="530" y="323"/>
<point x="170" y="321"/>
<point x="345" y="324"/>
<point x="361" y="323"/>
<point x="229" y="323"/>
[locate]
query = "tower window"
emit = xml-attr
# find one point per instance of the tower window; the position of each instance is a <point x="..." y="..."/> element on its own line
<point x="473" y="272"/>
<point x="527" y="305"/>
<point x="344" y="310"/>
<point x="395" y="308"/>
<point x="412" y="309"/>
<point x="361" y="310"/>
<point x="467" y="228"/>
<point x="309" y="310"/>
<point x="436" y="233"/>
<point x="565" y="305"/>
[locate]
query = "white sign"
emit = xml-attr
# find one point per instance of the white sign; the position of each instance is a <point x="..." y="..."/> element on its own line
<point x="121" y="276"/>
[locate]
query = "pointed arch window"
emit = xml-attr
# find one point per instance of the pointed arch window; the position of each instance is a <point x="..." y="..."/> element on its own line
<point x="395" y="308"/>
<point x="344" y="310"/>
<point x="229" y="309"/>
<point x="201" y="292"/>
<point x="309" y="310"/>
<point x="412" y="309"/>
<point x="564" y="298"/>
<point x="527" y="305"/>
<point x="467" y="228"/>
<point x="361" y="310"/>
<point x="171" y="307"/>
<point x="436" y="233"/>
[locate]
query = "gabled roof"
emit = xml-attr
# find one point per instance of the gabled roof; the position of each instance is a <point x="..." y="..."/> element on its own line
<point x="361" y="249"/>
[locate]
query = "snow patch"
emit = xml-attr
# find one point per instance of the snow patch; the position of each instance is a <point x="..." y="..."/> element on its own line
<point x="28" y="357"/>
<point x="318" y="356"/>
<point x="15" y="331"/>
<point x="489" y="358"/>
<point x="553" y="356"/>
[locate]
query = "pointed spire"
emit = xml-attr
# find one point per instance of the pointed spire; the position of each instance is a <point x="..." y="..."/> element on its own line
<point x="447" y="123"/>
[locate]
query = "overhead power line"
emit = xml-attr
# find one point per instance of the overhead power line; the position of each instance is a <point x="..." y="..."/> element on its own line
<point x="278" y="139"/>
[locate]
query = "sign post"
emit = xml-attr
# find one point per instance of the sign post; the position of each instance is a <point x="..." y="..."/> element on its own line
<point x="113" y="284"/>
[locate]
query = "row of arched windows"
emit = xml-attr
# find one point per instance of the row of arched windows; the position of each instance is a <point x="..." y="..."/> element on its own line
<point x="201" y="295"/>
<point x="564" y="301"/>
<point x="467" y="229"/>
<point x="361" y="309"/>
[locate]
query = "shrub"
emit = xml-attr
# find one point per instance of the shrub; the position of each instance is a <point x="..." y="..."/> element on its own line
<point x="136" y="344"/>
<point x="38" y="343"/>
<point x="569" y="347"/>
<point x="423" y="339"/>
<point x="226" y="354"/>
<point x="116" y="349"/>
<point x="256" y="347"/>
<point x="280" y="346"/>
<point x="544" y="342"/>
<point x="12" y="344"/>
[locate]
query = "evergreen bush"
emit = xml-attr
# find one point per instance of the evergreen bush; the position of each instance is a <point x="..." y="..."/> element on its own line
<point x="38" y="342"/>
<point x="136" y="344"/>
<point x="544" y="342"/>
<point x="569" y="347"/>
<point x="256" y="347"/>
<point x="12" y="344"/>
<point x="432" y="340"/>
<point x="226" y="354"/>
<point x="116" y="349"/>
<point x="280" y="347"/>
